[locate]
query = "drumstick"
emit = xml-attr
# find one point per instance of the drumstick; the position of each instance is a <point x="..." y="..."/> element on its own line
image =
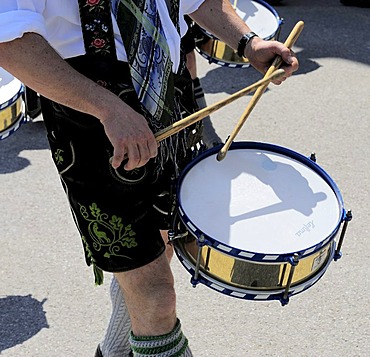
<point x="200" y="114"/>
<point x="290" y="41"/>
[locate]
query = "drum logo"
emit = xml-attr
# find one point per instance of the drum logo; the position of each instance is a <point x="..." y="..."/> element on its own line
<point x="306" y="228"/>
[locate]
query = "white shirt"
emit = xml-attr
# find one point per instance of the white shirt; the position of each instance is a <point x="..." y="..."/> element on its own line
<point x="58" y="21"/>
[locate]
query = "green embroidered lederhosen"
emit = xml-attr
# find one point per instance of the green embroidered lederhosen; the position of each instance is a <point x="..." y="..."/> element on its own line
<point x="114" y="210"/>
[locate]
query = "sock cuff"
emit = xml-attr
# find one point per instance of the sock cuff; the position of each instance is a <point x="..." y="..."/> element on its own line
<point x="171" y="344"/>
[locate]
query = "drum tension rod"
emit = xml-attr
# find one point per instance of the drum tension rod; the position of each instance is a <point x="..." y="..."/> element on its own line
<point x="294" y="262"/>
<point x="172" y="235"/>
<point x="347" y="219"/>
<point x="201" y="242"/>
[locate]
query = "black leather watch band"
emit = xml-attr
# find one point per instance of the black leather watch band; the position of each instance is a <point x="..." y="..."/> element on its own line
<point x="244" y="41"/>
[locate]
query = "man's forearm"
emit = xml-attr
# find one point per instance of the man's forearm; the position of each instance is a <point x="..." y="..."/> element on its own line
<point x="219" y="18"/>
<point x="42" y="69"/>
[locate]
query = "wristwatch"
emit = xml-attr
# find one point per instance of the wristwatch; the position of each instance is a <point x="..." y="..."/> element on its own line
<point x="244" y="41"/>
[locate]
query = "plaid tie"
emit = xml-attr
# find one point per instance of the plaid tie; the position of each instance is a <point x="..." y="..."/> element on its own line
<point x="148" y="56"/>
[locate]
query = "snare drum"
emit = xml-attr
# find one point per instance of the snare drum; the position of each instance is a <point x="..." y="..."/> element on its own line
<point x="261" y="17"/>
<point x="11" y="104"/>
<point x="262" y="221"/>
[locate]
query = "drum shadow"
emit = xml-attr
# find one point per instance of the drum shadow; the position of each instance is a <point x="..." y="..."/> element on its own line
<point x="21" y="318"/>
<point x="30" y="136"/>
<point x="297" y="197"/>
<point x="230" y="192"/>
<point x="248" y="10"/>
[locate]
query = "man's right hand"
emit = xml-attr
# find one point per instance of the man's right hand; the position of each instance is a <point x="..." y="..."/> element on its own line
<point x="131" y="138"/>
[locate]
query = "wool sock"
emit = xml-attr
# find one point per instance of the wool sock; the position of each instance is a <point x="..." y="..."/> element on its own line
<point x="210" y="137"/>
<point x="116" y="341"/>
<point x="172" y="344"/>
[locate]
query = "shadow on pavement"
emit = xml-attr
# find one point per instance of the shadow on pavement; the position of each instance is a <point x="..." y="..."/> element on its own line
<point x="21" y="317"/>
<point x="30" y="136"/>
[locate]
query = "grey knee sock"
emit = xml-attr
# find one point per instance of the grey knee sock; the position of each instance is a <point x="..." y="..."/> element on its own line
<point x="172" y="344"/>
<point x="210" y="137"/>
<point x="116" y="341"/>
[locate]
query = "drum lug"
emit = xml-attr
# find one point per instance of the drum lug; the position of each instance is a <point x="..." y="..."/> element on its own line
<point x="172" y="235"/>
<point x="347" y="219"/>
<point x="294" y="260"/>
<point x="313" y="156"/>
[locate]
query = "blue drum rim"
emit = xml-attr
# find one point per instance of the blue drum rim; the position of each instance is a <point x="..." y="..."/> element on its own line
<point x="254" y="256"/>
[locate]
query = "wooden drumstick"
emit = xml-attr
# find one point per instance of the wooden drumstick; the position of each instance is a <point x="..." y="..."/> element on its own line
<point x="290" y="41"/>
<point x="200" y="114"/>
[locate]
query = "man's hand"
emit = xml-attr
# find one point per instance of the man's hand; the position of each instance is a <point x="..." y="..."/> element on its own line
<point x="261" y="54"/>
<point x="131" y="138"/>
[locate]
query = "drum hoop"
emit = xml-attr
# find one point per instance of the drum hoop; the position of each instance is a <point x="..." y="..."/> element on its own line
<point x="249" y="255"/>
<point x="12" y="100"/>
<point x="222" y="63"/>
<point x="13" y="128"/>
<point x="249" y="294"/>
<point x="21" y="118"/>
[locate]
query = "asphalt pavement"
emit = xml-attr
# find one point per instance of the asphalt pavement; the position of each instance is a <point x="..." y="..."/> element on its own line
<point x="49" y="305"/>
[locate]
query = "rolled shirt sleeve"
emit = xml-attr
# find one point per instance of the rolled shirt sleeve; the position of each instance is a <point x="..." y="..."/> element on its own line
<point x="57" y="21"/>
<point x="187" y="7"/>
<point x="20" y="16"/>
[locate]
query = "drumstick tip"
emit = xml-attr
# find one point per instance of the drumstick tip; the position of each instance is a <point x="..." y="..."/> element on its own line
<point x="221" y="155"/>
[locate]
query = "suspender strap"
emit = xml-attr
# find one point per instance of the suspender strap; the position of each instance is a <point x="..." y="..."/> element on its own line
<point x="97" y="27"/>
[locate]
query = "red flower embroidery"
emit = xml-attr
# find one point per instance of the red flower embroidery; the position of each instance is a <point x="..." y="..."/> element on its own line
<point x="92" y="2"/>
<point x="98" y="43"/>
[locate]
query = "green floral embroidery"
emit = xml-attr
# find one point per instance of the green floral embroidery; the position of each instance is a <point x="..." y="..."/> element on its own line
<point x="108" y="234"/>
<point x="58" y="156"/>
<point x="98" y="273"/>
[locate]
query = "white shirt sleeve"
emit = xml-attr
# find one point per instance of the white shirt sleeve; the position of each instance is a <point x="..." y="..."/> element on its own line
<point x="187" y="7"/>
<point x="20" y="16"/>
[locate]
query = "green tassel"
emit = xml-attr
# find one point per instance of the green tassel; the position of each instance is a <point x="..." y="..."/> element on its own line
<point x="99" y="276"/>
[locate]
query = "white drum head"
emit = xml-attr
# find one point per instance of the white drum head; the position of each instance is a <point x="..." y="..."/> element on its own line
<point x="9" y="86"/>
<point x="260" y="201"/>
<point x="260" y="18"/>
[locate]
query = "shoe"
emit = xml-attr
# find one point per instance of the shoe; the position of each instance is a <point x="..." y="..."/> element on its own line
<point x="98" y="352"/>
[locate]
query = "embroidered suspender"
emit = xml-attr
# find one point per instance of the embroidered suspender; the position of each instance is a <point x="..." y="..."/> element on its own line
<point x="97" y="27"/>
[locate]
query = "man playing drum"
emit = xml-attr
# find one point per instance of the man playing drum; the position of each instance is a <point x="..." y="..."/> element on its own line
<point x="106" y="88"/>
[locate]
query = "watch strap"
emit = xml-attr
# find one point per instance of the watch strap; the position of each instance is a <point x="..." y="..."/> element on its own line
<point x="244" y="42"/>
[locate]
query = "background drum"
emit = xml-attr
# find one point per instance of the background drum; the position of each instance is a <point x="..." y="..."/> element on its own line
<point x="262" y="18"/>
<point x="264" y="228"/>
<point x="12" y="107"/>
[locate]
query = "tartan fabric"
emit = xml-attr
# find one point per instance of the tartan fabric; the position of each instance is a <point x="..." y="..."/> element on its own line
<point x="168" y="95"/>
<point x="148" y="57"/>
